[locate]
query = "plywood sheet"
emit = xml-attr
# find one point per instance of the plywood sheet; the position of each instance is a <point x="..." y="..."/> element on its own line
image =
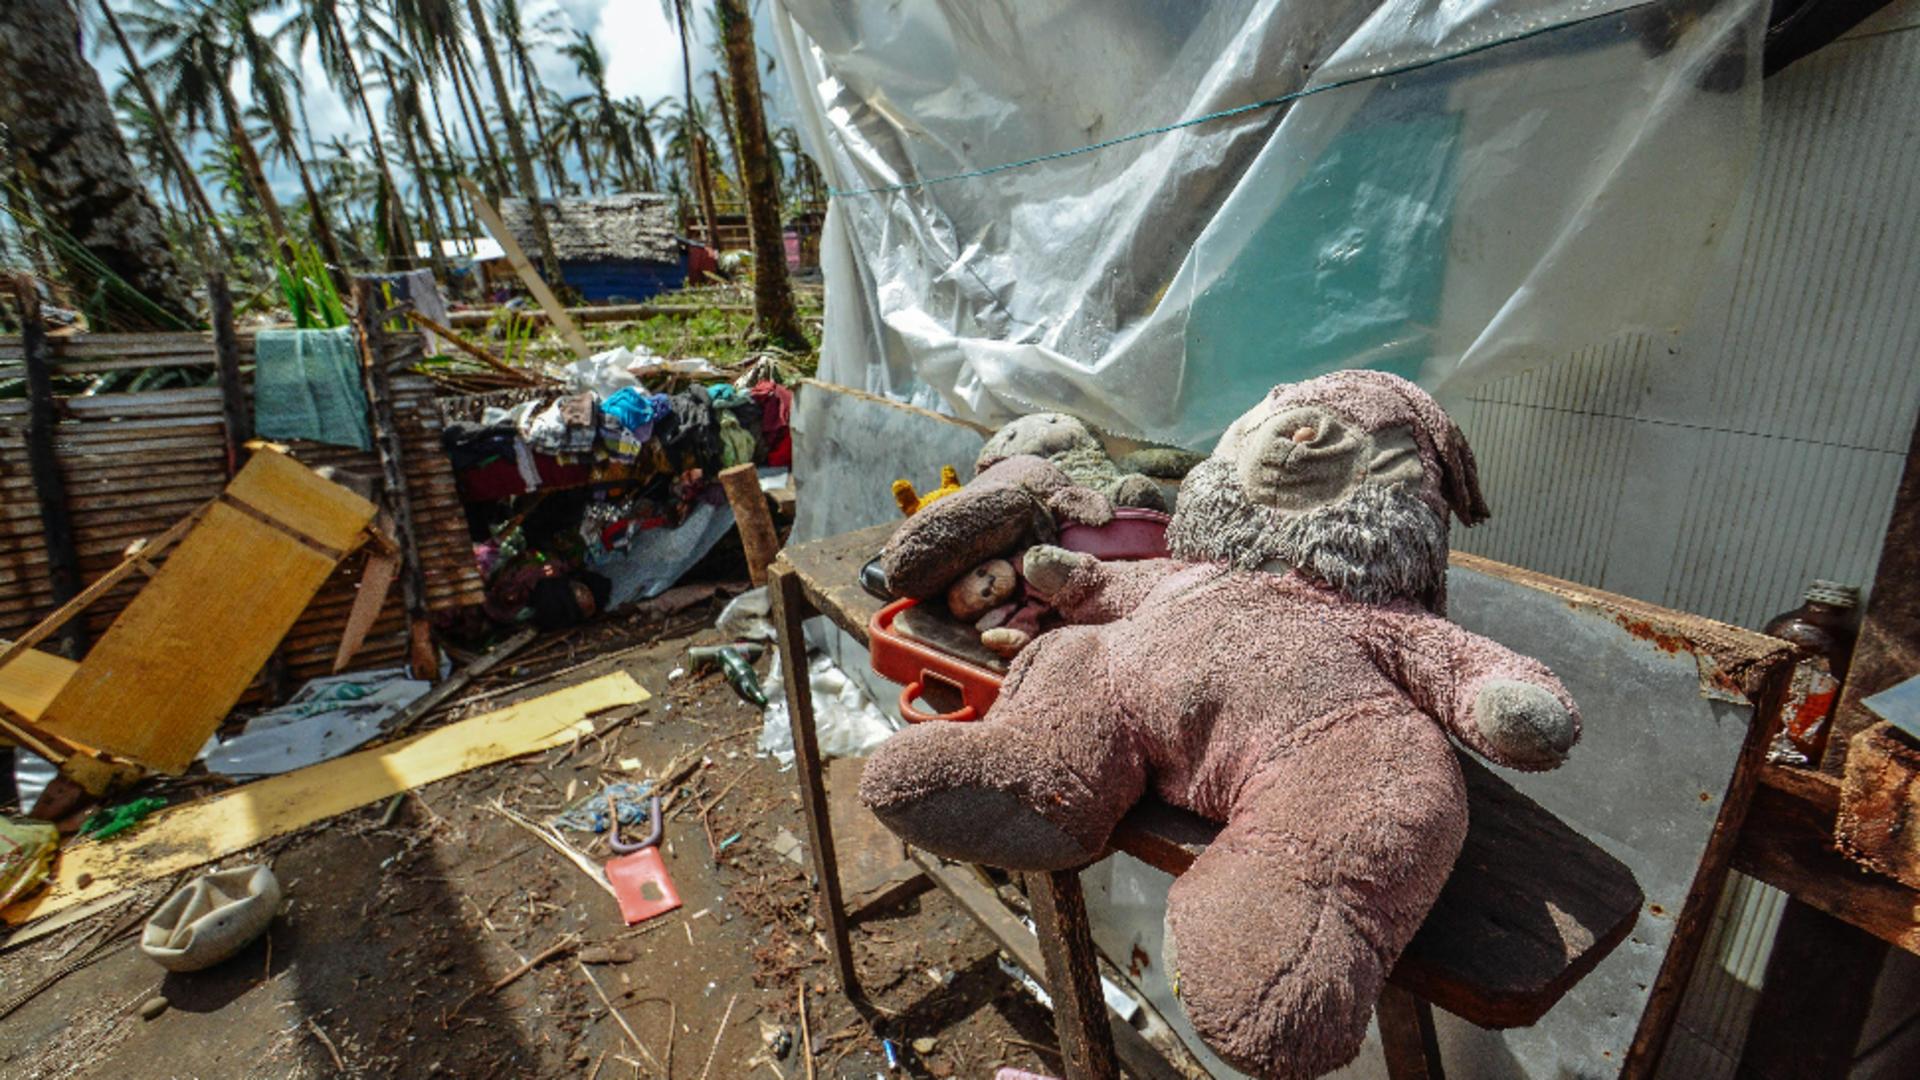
<point x="296" y="496"/>
<point x="198" y="833"/>
<point x="31" y="680"/>
<point x="171" y="666"/>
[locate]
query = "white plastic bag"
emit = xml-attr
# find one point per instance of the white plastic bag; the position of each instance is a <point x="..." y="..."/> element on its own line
<point x="845" y="720"/>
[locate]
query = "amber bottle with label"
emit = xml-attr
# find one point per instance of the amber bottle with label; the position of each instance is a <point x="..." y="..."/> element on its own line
<point x="1822" y="631"/>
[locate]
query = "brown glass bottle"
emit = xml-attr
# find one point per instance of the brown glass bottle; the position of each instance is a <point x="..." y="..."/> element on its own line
<point x="1822" y="631"/>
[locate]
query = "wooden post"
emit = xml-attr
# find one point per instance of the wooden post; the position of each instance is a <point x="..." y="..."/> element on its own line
<point x="235" y="416"/>
<point x="380" y="352"/>
<point x="1073" y="975"/>
<point x="49" y="486"/>
<point x="1889" y="648"/>
<point x="790" y="611"/>
<point x="757" y="535"/>
<point x="1407" y="1036"/>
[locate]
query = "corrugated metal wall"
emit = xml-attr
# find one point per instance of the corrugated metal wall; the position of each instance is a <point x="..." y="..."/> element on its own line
<point x="135" y="463"/>
<point x="1719" y="470"/>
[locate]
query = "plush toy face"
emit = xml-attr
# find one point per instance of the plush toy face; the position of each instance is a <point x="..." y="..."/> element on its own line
<point x="1348" y="478"/>
<point x="1298" y="457"/>
<point x="982" y="589"/>
<point x="1042" y="435"/>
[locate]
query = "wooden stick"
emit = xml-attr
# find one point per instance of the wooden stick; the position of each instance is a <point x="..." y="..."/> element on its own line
<point x="806" y="1036"/>
<point x="617" y="1018"/>
<point x="735" y="1000"/>
<point x="453" y="337"/>
<point x="43" y="462"/>
<point x="332" y="1050"/>
<point x="556" y="312"/>
<point x="757" y="534"/>
<point x="459" y="679"/>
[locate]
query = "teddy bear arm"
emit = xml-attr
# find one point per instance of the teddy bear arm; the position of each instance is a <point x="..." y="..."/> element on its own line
<point x="1101" y="592"/>
<point x="1507" y="707"/>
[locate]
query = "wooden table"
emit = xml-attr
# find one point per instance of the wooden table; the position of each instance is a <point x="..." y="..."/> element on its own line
<point x="1489" y="951"/>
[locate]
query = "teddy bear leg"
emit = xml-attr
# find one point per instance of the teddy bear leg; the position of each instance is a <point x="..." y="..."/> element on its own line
<point x="1281" y="934"/>
<point x="1036" y="785"/>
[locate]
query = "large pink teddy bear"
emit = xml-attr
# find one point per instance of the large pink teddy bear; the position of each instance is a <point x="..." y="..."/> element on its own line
<point x="1289" y="673"/>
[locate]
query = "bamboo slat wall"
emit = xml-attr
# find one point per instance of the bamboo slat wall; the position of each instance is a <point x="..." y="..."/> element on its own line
<point x="136" y="463"/>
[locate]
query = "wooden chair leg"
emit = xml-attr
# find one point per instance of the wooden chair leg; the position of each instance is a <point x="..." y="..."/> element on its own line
<point x="1407" y="1036"/>
<point x="790" y="611"/>
<point x="1073" y="975"/>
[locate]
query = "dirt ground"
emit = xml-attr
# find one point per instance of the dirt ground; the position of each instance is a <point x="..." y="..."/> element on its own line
<point x="400" y="925"/>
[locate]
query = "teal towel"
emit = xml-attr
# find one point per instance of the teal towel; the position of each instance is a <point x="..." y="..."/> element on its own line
<point x="306" y="385"/>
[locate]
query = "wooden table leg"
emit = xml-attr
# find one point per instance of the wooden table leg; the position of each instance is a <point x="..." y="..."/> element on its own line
<point x="1073" y="975"/>
<point x="790" y="610"/>
<point x="1407" y="1036"/>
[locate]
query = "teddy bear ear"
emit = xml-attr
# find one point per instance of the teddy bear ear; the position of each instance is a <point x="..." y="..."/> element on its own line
<point x="1460" y="477"/>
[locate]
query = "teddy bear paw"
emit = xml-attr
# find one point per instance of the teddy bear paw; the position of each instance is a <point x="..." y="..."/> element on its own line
<point x="1047" y="568"/>
<point x="1006" y="641"/>
<point x="1526" y="724"/>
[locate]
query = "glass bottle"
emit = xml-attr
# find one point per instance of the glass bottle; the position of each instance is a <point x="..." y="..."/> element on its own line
<point x="1822" y="631"/>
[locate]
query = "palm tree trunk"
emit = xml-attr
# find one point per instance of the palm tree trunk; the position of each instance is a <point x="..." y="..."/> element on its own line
<point x="399" y="234"/>
<point x="696" y="143"/>
<point x="725" y="109"/>
<point x="586" y="165"/>
<point x="69" y="151"/>
<point x="463" y="70"/>
<point x="547" y="156"/>
<point x="196" y="195"/>
<point x="488" y="181"/>
<point x="256" y="174"/>
<point x="773" y="310"/>
<point x="444" y="168"/>
<point x="322" y="227"/>
<point x="522" y="161"/>
<point x="436" y="256"/>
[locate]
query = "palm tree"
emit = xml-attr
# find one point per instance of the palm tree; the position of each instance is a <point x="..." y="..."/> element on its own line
<point x="517" y="143"/>
<point x="162" y="131"/>
<point x="268" y="76"/>
<point x="403" y="113"/>
<point x="696" y="139"/>
<point x="72" y="161"/>
<point x="608" y="122"/>
<point x="321" y="21"/>
<point x="520" y="38"/>
<point x="199" y="55"/>
<point x="573" y="128"/>
<point x="773" y="311"/>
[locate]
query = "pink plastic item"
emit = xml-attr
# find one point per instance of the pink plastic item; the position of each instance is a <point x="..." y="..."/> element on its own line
<point x="641" y="884"/>
<point x="1132" y="534"/>
<point x="1008" y="1072"/>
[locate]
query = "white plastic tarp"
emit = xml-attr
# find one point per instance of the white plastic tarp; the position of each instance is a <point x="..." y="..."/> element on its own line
<point x="1449" y="190"/>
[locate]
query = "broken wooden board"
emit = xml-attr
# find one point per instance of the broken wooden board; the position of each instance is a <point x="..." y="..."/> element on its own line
<point x="187" y="836"/>
<point x="30" y="682"/>
<point x="169" y="669"/>
<point x="874" y="869"/>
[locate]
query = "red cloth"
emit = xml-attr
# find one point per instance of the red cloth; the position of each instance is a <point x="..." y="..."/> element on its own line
<point x="776" y="413"/>
<point x="500" y="478"/>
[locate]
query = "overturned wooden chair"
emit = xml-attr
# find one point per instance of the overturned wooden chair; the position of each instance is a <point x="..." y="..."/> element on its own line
<point x="237" y="573"/>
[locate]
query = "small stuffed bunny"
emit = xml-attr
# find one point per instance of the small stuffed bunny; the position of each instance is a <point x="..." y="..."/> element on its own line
<point x="1069" y="444"/>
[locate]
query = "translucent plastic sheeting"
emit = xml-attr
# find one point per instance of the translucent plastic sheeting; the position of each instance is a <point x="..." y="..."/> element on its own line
<point x="1449" y="190"/>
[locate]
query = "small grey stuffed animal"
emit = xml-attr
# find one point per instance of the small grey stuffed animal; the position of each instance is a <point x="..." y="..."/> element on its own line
<point x="1069" y="444"/>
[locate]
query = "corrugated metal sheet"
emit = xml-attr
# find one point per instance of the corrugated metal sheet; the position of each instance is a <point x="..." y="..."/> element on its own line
<point x="136" y="463"/>
<point x="1718" y="470"/>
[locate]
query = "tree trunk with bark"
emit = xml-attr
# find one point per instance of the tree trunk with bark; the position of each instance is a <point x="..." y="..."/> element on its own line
<point x="517" y="143"/>
<point x="74" y="161"/>
<point x="773" y="311"/>
<point x="696" y="142"/>
<point x="398" y="233"/>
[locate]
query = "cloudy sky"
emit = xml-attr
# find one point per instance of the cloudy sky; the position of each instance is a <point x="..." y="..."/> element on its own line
<point x="638" y="40"/>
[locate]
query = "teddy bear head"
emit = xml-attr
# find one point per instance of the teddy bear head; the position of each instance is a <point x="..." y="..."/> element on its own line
<point x="1348" y="478"/>
<point x="1044" y="435"/>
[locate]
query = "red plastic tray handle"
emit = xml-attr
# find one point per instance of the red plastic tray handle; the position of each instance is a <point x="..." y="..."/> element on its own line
<point x="911" y="693"/>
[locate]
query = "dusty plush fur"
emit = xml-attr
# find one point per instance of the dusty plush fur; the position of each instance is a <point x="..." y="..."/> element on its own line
<point x="1311" y="722"/>
<point x="1376" y="544"/>
<point x="1071" y="445"/>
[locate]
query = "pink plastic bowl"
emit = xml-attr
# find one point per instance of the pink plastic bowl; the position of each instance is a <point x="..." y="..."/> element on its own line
<point x="1132" y="534"/>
